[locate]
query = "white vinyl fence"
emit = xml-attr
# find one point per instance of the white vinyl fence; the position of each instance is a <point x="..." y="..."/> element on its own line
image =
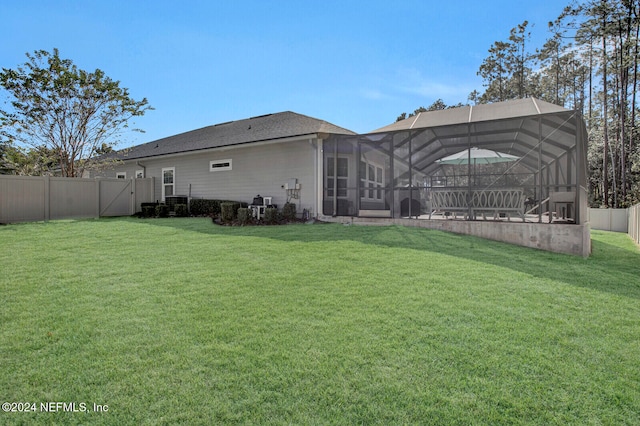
<point x="634" y="223"/>
<point x="617" y="220"/>
<point x="609" y="219"/>
<point x="38" y="198"/>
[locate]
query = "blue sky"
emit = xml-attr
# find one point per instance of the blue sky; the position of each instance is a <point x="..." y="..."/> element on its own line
<point x="357" y="64"/>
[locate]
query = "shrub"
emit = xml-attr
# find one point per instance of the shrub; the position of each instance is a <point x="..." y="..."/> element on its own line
<point x="181" y="210"/>
<point x="244" y="215"/>
<point x="204" y="207"/>
<point x="240" y="204"/>
<point x="148" y="211"/>
<point x="228" y="211"/>
<point x="271" y="215"/>
<point x="289" y="211"/>
<point x="162" y="210"/>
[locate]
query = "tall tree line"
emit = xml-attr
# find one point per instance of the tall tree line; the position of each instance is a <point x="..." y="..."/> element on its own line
<point x="588" y="63"/>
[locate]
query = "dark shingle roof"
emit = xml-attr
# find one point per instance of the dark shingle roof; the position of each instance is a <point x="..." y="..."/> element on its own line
<point x="254" y="129"/>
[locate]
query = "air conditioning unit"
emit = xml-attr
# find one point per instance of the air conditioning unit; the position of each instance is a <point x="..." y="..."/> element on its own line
<point x="172" y="200"/>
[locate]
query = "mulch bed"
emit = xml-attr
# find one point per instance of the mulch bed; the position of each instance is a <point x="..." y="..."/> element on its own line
<point x="253" y="222"/>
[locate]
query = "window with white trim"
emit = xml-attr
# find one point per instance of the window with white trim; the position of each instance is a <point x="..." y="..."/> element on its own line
<point x="371" y="181"/>
<point x="139" y="174"/>
<point x="121" y="175"/>
<point x="220" y="165"/>
<point x="341" y="176"/>
<point x="168" y="182"/>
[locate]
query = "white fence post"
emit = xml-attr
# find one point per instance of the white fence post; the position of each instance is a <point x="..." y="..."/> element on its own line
<point x="46" y="197"/>
<point x="634" y="223"/>
<point x="97" y="215"/>
<point x="132" y="197"/>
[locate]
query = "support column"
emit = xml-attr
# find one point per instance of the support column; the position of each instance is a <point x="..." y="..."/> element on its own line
<point x="392" y="178"/>
<point x="358" y="171"/>
<point x="540" y="171"/>
<point x="335" y="178"/>
<point x="469" y="188"/>
<point x="410" y="174"/>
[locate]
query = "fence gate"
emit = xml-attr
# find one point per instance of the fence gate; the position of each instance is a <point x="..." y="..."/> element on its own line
<point x="116" y="197"/>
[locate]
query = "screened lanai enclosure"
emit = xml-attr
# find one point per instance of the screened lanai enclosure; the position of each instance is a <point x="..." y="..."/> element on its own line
<point x="516" y="161"/>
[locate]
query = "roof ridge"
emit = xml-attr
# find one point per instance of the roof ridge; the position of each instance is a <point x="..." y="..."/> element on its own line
<point x="415" y="120"/>
<point x="535" y="104"/>
<point x="321" y="121"/>
<point x="260" y="116"/>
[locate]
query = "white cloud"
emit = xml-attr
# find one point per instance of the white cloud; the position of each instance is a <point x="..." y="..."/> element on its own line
<point x="409" y="85"/>
<point x="412" y="81"/>
<point x="373" y="94"/>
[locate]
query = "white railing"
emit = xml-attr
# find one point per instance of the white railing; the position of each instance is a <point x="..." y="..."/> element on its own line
<point x="482" y="201"/>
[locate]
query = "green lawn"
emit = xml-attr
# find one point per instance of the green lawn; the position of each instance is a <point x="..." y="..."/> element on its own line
<point x="170" y="321"/>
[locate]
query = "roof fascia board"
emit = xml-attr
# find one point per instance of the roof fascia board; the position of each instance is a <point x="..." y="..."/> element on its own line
<point x="229" y="147"/>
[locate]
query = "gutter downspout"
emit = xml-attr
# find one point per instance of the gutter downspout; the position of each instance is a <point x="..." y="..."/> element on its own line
<point x="144" y="175"/>
<point x="144" y="168"/>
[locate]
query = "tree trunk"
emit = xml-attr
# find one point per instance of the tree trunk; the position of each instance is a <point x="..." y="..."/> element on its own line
<point x="625" y="38"/>
<point x="635" y="86"/>
<point x="590" y="80"/>
<point x="605" y="171"/>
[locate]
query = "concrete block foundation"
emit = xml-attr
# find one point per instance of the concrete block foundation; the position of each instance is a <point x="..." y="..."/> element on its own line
<point x="558" y="238"/>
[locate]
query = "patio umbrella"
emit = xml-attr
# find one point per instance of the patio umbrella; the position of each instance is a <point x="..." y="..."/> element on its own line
<point x="478" y="156"/>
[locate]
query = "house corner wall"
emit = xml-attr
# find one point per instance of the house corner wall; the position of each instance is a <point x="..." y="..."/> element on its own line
<point x="319" y="185"/>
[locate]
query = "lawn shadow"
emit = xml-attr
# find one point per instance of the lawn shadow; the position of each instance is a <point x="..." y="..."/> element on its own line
<point x="613" y="267"/>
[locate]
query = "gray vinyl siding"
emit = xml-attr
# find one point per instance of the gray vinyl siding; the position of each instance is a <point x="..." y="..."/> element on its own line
<point x="257" y="169"/>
